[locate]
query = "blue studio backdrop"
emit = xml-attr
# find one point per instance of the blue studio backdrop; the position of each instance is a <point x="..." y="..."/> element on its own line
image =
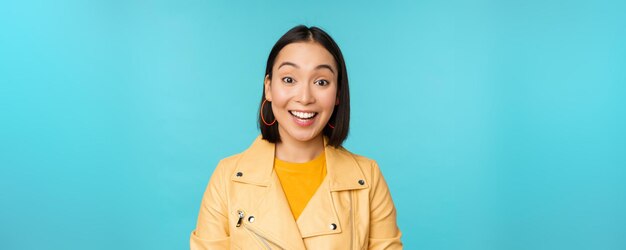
<point x="497" y="124"/>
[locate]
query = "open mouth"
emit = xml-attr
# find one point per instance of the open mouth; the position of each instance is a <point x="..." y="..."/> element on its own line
<point x="303" y="115"/>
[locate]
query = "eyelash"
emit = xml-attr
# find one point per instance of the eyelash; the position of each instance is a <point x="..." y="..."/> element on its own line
<point x="290" y="80"/>
<point x="322" y="80"/>
<point x="287" y="78"/>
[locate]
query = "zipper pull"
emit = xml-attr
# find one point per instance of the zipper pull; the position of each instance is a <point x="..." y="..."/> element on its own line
<point x="240" y="218"/>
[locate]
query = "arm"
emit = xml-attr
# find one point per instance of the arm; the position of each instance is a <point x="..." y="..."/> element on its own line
<point x="212" y="227"/>
<point x="384" y="232"/>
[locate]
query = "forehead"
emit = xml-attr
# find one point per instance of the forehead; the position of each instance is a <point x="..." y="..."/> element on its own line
<point x="306" y="55"/>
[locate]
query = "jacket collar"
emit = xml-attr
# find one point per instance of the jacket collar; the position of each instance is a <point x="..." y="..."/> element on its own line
<point x="257" y="162"/>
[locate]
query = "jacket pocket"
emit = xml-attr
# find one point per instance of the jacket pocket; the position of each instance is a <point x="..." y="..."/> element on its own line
<point x="248" y="236"/>
<point x="261" y="241"/>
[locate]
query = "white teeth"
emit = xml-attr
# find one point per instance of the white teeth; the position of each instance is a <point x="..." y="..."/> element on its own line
<point x="303" y="115"/>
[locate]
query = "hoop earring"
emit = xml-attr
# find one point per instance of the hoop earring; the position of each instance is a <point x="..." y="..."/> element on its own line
<point x="263" y="118"/>
<point x="330" y="125"/>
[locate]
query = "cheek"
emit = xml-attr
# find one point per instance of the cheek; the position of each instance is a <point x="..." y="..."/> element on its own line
<point x="328" y="100"/>
<point x="279" y="96"/>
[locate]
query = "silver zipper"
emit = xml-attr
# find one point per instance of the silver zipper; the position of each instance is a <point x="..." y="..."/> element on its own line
<point x="263" y="239"/>
<point x="241" y="215"/>
<point x="351" y="223"/>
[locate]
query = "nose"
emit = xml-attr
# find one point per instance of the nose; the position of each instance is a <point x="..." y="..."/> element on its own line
<point x="305" y="95"/>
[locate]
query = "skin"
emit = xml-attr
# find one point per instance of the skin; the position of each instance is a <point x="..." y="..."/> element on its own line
<point x="304" y="79"/>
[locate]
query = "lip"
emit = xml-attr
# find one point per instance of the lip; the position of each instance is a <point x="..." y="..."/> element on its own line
<point x="303" y="122"/>
<point x="305" y="111"/>
<point x="292" y="111"/>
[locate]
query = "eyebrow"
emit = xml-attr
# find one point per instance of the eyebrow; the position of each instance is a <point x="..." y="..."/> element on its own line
<point x="321" y="66"/>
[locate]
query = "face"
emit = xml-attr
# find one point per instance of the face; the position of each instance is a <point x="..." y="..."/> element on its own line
<point x="302" y="90"/>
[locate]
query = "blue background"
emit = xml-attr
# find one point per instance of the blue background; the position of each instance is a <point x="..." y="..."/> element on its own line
<point x="498" y="124"/>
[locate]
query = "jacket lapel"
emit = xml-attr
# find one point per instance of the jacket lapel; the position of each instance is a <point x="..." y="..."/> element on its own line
<point x="273" y="216"/>
<point x="343" y="173"/>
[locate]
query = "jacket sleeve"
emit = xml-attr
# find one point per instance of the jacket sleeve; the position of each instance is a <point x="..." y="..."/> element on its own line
<point x="384" y="232"/>
<point x="211" y="230"/>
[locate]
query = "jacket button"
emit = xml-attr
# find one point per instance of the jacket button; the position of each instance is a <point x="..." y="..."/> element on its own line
<point x="251" y="219"/>
<point x="239" y="174"/>
<point x="362" y="182"/>
<point x="333" y="226"/>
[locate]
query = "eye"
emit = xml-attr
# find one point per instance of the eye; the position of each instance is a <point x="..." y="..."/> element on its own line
<point x="287" y="79"/>
<point x="321" y="82"/>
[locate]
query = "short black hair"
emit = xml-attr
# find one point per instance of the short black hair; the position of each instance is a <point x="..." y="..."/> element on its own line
<point x="340" y="118"/>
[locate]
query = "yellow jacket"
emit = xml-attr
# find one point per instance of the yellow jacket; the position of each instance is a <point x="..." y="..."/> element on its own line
<point x="244" y="206"/>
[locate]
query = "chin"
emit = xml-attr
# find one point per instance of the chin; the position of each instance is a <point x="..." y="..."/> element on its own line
<point x="304" y="136"/>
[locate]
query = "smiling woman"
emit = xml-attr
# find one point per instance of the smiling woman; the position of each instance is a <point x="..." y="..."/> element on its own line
<point x="309" y="51"/>
<point x="296" y="187"/>
<point x="303" y="93"/>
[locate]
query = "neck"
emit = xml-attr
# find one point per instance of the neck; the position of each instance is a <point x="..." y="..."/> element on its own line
<point x="291" y="150"/>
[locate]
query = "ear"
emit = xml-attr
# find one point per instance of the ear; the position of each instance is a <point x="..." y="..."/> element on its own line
<point x="268" y="90"/>
<point x="337" y="100"/>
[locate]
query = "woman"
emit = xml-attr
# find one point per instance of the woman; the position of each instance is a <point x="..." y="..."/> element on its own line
<point x="296" y="187"/>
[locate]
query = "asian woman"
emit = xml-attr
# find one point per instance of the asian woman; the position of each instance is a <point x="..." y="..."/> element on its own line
<point x="296" y="187"/>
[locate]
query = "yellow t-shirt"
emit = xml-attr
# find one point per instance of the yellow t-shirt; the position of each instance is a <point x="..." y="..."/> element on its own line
<point x="300" y="181"/>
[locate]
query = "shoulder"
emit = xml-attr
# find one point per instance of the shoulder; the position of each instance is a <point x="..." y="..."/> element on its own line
<point x="378" y="188"/>
<point x="230" y="160"/>
<point x="363" y="160"/>
<point x="226" y="166"/>
<point x="367" y="165"/>
<point x="360" y="159"/>
<point x="256" y="161"/>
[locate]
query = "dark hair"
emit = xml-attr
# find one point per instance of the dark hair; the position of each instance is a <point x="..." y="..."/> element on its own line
<point x="341" y="113"/>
